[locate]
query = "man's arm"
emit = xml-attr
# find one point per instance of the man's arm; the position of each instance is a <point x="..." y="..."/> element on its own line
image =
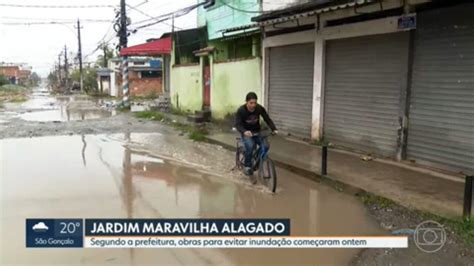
<point x="238" y="122"/>
<point x="267" y="119"/>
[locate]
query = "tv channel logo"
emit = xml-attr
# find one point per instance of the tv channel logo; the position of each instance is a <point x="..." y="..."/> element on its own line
<point x="54" y="233"/>
<point x="430" y="236"/>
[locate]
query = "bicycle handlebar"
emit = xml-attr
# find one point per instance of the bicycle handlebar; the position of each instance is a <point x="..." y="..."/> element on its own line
<point x="263" y="133"/>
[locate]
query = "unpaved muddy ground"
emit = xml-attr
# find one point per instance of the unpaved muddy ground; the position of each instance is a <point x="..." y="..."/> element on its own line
<point x="168" y="175"/>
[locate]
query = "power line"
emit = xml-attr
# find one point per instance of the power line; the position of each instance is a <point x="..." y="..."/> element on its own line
<point x="58" y="6"/>
<point x="43" y="23"/>
<point x="55" y="19"/>
<point x="176" y="14"/>
<point x="145" y="14"/>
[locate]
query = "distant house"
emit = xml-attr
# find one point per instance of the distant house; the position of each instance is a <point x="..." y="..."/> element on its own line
<point x="16" y="73"/>
<point x="24" y="76"/>
<point x="145" y="68"/>
<point x="10" y="72"/>
<point x="145" y="76"/>
<point x="103" y="80"/>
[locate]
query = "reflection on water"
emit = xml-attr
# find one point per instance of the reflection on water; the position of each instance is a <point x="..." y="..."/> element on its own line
<point x="64" y="114"/>
<point x="41" y="106"/>
<point x="120" y="176"/>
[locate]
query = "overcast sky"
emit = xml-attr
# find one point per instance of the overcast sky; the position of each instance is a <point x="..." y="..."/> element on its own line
<point x="39" y="45"/>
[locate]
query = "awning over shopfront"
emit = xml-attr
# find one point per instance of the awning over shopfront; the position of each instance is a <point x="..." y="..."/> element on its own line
<point x="158" y="47"/>
<point x="305" y="10"/>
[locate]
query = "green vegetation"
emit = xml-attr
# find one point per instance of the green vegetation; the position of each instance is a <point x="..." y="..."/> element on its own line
<point x="3" y="80"/>
<point x="177" y="111"/>
<point x="462" y="227"/>
<point x="108" y="52"/>
<point x="193" y="132"/>
<point x="150" y="115"/>
<point x="13" y="93"/>
<point x="90" y="79"/>
<point x="371" y="199"/>
<point x="320" y="142"/>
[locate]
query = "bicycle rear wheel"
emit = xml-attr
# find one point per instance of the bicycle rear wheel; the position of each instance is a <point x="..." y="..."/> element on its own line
<point x="267" y="174"/>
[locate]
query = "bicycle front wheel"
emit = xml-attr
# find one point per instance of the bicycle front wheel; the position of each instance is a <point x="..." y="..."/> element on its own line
<point x="268" y="174"/>
<point x="239" y="158"/>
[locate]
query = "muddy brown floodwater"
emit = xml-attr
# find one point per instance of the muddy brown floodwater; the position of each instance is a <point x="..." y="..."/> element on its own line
<point x="159" y="176"/>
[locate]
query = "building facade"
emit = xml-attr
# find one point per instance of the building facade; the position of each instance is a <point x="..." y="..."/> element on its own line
<point x="392" y="78"/>
<point x="220" y="67"/>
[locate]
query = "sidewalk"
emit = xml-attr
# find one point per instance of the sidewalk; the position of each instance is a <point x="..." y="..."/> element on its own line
<point x="411" y="187"/>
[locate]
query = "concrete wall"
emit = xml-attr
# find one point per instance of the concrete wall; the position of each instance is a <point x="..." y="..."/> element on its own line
<point x="221" y="16"/>
<point x="231" y="81"/>
<point x="186" y="88"/>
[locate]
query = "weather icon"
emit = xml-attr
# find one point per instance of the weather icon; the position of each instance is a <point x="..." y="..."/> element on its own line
<point x="40" y="227"/>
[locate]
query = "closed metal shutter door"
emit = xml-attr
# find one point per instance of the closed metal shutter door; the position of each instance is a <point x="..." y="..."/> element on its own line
<point x="441" y="118"/>
<point x="290" y="93"/>
<point x="364" y="77"/>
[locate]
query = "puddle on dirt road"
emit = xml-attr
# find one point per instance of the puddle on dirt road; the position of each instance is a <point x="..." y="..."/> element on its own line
<point x="126" y="176"/>
<point x="44" y="107"/>
<point x="65" y="114"/>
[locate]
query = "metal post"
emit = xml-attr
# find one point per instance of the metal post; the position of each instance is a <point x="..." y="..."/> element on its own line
<point x="123" y="43"/>
<point x="66" y="70"/>
<point x="125" y="89"/>
<point x="324" y="161"/>
<point x="468" y="187"/>
<point x="79" y="55"/>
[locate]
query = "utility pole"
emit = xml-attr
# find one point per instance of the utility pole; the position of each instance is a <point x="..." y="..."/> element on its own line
<point x="172" y="24"/>
<point x="79" y="54"/>
<point x="59" y="70"/>
<point x="104" y="48"/>
<point x="123" y="44"/>
<point x="66" y="68"/>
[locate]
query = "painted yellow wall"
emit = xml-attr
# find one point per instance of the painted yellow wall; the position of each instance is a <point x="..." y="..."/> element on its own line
<point x="186" y="89"/>
<point x="231" y="81"/>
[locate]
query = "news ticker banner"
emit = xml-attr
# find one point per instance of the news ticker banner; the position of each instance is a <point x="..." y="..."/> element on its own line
<point x="187" y="233"/>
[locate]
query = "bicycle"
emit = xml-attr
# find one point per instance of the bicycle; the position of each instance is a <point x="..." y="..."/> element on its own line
<point x="260" y="161"/>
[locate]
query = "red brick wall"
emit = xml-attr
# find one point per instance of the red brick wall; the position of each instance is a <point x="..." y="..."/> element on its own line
<point x="140" y="87"/>
<point x="10" y="71"/>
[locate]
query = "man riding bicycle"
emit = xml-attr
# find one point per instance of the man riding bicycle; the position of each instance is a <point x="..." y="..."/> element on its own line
<point x="247" y="122"/>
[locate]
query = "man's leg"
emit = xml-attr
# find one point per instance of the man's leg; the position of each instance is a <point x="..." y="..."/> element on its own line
<point x="261" y="142"/>
<point x="248" y="145"/>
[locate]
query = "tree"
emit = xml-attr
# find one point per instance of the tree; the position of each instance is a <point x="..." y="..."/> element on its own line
<point x="3" y="80"/>
<point x="108" y="52"/>
<point x="35" y="79"/>
<point x="90" y="78"/>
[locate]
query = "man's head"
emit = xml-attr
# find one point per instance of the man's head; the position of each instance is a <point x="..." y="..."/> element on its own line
<point x="251" y="100"/>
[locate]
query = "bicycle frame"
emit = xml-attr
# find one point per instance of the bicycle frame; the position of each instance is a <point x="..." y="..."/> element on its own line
<point x="261" y="154"/>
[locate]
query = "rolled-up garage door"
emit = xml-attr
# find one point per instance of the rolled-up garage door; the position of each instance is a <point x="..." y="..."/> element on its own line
<point x="364" y="78"/>
<point x="441" y="118"/>
<point x="290" y="90"/>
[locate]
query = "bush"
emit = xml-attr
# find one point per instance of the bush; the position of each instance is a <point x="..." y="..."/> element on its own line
<point x="3" y="80"/>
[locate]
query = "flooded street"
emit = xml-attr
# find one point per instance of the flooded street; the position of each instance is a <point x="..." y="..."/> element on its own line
<point x="79" y="160"/>
<point x="43" y="107"/>
<point x="159" y="176"/>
